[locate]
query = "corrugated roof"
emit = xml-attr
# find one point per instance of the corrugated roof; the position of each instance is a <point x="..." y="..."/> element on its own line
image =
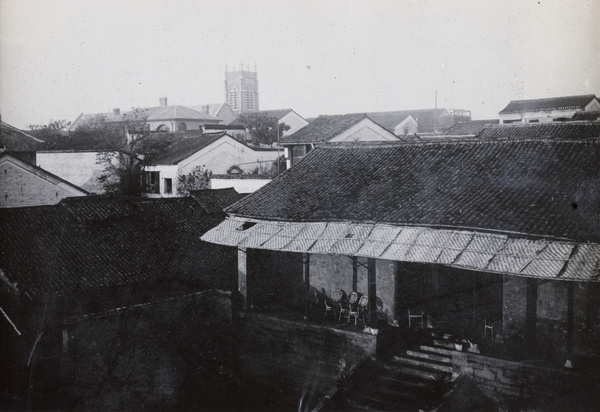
<point x="552" y="103"/>
<point x="484" y="252"/>
<point x="546" y="187"/>
<point x="566" y="130"/>
<point x="95" y="242"/>
<point x="324" y="128"/>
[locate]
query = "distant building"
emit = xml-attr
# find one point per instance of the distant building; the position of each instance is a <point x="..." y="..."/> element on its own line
<point x="241" y="90"/>
<point x="221" y="111"/>
<point x="548" y="110"/>
<point x="336" y="128"/>
<point x="162" y="118"/>
<point x="217" y="153"/>
<point x="24" y="184"/>
<point x="284" y="116"/>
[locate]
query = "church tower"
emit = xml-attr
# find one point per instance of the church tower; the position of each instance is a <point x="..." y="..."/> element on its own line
<point x="241" y="90"/>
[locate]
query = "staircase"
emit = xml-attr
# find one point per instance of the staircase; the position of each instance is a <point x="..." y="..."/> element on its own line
<point x="415" y="380"/>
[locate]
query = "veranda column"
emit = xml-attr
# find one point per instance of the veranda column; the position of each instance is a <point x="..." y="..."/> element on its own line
<point x="306" y="278"/>
<point x="372" y="286"/>
<point x="242" y="286"/>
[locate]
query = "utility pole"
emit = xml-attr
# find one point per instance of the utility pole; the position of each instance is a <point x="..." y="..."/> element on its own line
<point x="435" y="114"/>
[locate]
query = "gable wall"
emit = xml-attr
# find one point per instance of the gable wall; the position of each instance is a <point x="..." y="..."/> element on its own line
<point x="78" y="168"/>
<point x="294" y="121"/>
<point x="20" y="187"/>
<point x="364" y="131"/>
<point x="410" y="123"/>
<point x="219" y="156"/>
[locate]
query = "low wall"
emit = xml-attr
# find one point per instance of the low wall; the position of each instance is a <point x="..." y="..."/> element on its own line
<point x="528" y="383"/>
<point x="293" y="363"/>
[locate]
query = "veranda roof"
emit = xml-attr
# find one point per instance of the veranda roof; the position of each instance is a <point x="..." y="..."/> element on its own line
<point x="471" y="250"/>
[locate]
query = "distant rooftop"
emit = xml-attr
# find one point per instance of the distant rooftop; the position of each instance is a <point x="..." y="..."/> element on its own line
<point x="552" y="103"/>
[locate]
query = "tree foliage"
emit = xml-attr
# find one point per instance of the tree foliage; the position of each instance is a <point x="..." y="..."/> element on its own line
<point x="199" y="178"/>
<point x="263" y="129"/>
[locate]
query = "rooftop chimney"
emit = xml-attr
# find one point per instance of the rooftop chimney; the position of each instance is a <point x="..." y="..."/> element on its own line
<point x="116" y="111"/>
<point x="162" y="101"/>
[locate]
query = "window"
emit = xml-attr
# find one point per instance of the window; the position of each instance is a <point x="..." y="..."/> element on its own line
<point x="151" y="182"/>
<point x="299" y="152"/>
<point x="168" y="185"/>
<point x="534" y="121"/>
<point x="250" y="97"/>
<point x="234" y="97"/>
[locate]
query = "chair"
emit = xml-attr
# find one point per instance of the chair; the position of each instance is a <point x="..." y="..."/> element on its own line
<point x="488" y="326"/>
<point x="352" y="306"/>
<point x="338" y="299"/>
<point x="363" y="309"/>
<point x="420" y="316"/>
<point x="329" y="306"/>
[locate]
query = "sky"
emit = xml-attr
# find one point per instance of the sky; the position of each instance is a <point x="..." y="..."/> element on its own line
<point x="60" y="58"/>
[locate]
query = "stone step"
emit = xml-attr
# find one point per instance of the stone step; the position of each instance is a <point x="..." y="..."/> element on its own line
<point x="444" y="344"/>
<point x="429" y="356"/>
<point x="410" y="372"/>
<point x="423" y="365"/>
<point x="405" y="381"/>
<point x="438" y="350"/>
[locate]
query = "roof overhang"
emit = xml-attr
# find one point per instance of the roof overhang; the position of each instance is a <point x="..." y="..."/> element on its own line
<point x="466" y="249"/>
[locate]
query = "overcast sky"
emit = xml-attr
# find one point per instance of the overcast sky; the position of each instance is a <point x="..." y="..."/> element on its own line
<point x="59" y="58"/>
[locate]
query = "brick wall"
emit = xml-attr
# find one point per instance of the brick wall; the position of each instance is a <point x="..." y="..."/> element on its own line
<point x="551" y="311"/>
<point x="528" y="384"/>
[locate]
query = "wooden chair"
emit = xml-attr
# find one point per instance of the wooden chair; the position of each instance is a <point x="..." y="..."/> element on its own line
<point x="352" y="306"/>
<point x="488" y="327"/>
<point x="419" y="316"/>
<point x="339" y="301"/>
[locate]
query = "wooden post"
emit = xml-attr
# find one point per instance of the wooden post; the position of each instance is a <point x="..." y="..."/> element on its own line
<point x="531" y="314"/>
<point x="570" y="316"/>
<point x="242" y="286"/>
<point x="372" y="286"/>
<point x="354" y="274"/>
<point x="306" y="278"/>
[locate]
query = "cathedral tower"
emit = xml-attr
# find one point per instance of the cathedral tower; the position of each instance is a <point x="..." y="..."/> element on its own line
<point x="241" y="90"/>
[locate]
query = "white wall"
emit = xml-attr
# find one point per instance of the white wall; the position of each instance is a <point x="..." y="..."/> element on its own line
<point x="77" y="167"/>
<point x="365" y="131"/>
<point x="295" y="121"/>
<point x="240" y="185"/>
<point x="219" y="156"/>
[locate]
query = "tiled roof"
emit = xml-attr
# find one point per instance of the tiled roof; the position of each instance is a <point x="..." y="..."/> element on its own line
<point x="568" y="130"/>
<point x="82" y="244"/>
<point x="154" y="114"/>
<point x="17" y="140"/>
<point x="471" y="127"/>
<point x="215" y="200"/>
<point x="535" y="105"/>
<point x="213" y="109"/>
<point x="176" y="113"/>
<point x="324" y="128"/>
<point x="545" y="187"/>
<point x="183" y="147"/>
<point x="589" y="116"/>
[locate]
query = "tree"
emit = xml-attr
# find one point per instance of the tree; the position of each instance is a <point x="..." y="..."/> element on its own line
<point x="263" y="129"/>
<point x="199" y="178"/>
